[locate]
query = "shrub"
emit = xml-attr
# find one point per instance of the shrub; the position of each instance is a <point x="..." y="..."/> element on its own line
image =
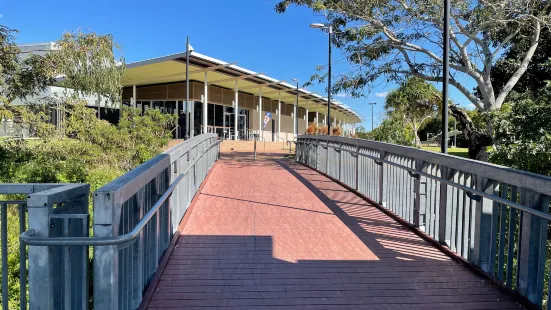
<point x="312" y="129"/>
<point x="85" y="150"/>
<point x="322" y="130"/>
<point x="336" y="131"/>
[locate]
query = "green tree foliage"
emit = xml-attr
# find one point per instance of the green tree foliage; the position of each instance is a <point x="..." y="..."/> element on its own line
<point x="396" y="39"/>
<point x="93" y="151"/>
<point x="416" y="102"/>
<point x="538" y="71"/>
<point x="88" y="64"/>
<point x="392" y="130"/>
<point x="523" y="132"/>
<point x="84" y="149"/>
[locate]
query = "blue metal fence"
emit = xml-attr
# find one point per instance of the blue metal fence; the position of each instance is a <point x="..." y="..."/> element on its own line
<point x="495" y="217"/>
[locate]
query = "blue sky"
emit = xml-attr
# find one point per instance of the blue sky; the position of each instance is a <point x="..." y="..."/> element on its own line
<point x="248" y="32"/>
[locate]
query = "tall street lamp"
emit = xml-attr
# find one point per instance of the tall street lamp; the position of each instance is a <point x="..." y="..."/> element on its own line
<point x="330" y="31"/>
<point x="372" y="104"/>
<point x="296" y="111"/>
<point x="446" y="74"/>
<point x="186" y="130"/>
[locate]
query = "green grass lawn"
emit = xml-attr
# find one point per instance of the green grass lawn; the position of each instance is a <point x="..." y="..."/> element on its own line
<point x="457" y="151"/>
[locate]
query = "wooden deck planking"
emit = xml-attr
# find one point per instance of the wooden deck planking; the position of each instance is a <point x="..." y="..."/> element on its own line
<point x="273" y="234"/>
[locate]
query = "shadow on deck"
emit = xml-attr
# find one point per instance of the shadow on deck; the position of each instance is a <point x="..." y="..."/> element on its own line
<point x="274" y="234"/>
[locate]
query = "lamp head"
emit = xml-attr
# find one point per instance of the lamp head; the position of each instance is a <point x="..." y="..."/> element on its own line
<point x="318" y="25"/>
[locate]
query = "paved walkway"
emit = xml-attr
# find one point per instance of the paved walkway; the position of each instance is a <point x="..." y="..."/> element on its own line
<point x="274" y="234"/>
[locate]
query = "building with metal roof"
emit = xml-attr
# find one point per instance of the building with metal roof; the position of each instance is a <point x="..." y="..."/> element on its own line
<point x="217" y="89"/>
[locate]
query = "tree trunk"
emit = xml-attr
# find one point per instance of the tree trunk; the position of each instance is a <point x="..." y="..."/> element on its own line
<point x="417" y="140"/>
<point x="478" y="140"/>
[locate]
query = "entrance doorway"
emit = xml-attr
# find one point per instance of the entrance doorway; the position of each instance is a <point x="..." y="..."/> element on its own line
<point x="229" y="125"/>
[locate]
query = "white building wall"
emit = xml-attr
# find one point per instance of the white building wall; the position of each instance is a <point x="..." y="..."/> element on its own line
<point x="286" y="126"/>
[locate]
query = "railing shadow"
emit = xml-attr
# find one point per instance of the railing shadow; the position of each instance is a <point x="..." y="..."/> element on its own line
<point x="241" y="271"/>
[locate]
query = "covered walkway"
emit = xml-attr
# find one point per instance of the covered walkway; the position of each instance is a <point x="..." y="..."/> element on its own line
<point x="272" y="233"/>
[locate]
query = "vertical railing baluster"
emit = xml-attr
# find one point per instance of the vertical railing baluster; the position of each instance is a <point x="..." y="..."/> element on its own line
<point x="381" y="182"/>
<point x="419" y="166"/>
<point x="357" y="164"/>
<point x="533" y="240"/>
<point x="4" y="237"/>
<point x="482" y="218"/>
<point x="459" y="223"/>
<point x="511" y="244"/>
<point x="467" y="206"/>
<point x="22" y="258"/>
<point x="502" y="230"/>
<point x="445" y="217"/>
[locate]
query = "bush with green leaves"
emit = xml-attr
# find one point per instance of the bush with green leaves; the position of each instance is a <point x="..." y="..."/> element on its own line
<point x="523" y="133"/>
<point x="392" y="130"/>
<point x="84" y="150"/>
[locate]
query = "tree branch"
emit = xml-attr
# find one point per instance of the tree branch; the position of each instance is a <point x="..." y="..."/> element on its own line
<point x="522" y="67"/>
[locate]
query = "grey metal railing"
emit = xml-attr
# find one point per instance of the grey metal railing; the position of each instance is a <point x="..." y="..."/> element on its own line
<point x="161" y="189"/>
<point x="135" y="217"/>
<point x="53" y="210"/>
<point x="494" y="217"/>
<point x="20" y="218"/>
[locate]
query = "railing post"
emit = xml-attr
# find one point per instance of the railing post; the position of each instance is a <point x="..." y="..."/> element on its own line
<point x="444" y="220"/>
<point x="106" y="258"/>
<point x="327" y="159"/>
<point x="532" y="247"/>
<point x="41" y="288"/>
<point x="340" y="160"/>
<point x="357" y="163"/>
<point x="419" y="166"/>
<point x="482" y="226"/>
<point x="317" y="155"/>
<point x="382" y="183"/>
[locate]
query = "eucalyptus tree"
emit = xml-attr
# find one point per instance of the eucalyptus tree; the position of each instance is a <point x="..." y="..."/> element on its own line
<point x="85" y="63"/>
<point x="415" y="101"/>
<point x="394" y="39"/>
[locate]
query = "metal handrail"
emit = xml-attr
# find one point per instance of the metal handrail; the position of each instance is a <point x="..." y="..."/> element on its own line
<point x="493" y="217"/>
<point x="28" y="237"/>
<point x="442" y="180"/>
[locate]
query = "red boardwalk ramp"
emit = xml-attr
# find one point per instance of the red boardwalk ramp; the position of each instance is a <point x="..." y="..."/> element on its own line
<point x="274" y="234"/>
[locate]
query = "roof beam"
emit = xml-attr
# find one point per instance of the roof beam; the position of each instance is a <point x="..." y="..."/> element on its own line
<point x="261" y="85"/>
<point x="241" y="77"/>
<point x="212" y="68"/>
<point x="279" y="91"/>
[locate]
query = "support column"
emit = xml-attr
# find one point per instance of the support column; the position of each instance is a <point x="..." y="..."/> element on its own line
<point x="317" y="115"/>
<point x="134" y="96"/>
<point x="236" y="112"/>
<point x="260" y="113"/>
<point x="191" y="118"/>
<point x="294" y="119"/>
<point x="205" y="104"/>
<point x="279" y="115"/>
<point x="306" y="119"/>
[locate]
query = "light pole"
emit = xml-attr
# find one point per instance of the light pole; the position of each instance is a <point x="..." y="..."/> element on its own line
<point x="446" y="74"/>
<point x="186" y="130"/>
<point x="372" y="104"/>
<point x="296" y="112"/>
<point x="330" y="31"/>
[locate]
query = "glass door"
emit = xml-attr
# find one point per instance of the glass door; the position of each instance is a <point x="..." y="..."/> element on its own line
<point x="228" y="125"/>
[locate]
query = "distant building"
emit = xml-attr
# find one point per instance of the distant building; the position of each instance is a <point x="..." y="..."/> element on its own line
<point x="217" y="90"/>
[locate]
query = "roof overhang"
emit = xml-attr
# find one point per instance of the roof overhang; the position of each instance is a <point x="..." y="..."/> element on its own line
<point x="172" y="68"/>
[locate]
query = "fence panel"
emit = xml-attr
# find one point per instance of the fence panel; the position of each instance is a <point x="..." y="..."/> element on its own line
<point x="494" y="217"/>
